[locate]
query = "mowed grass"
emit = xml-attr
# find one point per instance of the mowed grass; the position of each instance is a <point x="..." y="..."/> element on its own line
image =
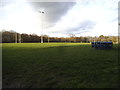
<point x="59" y="65"/>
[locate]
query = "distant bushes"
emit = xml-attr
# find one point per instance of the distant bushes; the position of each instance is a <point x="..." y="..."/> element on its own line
<point x="12" y="37"/>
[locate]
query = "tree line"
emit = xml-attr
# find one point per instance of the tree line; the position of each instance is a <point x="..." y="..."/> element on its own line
<point x="12" y="37"/>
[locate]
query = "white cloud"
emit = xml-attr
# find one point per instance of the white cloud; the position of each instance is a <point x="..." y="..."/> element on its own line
<point x="100" y="13"/>
<point x="21" y="18"/>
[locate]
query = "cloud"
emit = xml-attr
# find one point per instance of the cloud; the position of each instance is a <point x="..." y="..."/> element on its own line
<point x="81" y="28"/>
<point x="53" y="10"/>
<point x="84" y="17"/>
<point x="16" y="15"/>
<point x="90" y="17"/>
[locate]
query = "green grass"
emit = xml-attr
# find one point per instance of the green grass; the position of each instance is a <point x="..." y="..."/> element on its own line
<point x="59" y="65"/>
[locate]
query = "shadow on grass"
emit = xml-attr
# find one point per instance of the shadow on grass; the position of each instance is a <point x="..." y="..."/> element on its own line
<point x="72" y="66"/>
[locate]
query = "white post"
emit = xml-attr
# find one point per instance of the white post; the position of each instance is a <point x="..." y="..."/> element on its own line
<point x="41" y="39"/>
<point x="16" y="37"/>
<point x="48" y="39"/>
<point x="42" y="12"/>
<point x="1" y="66"/>
<point x="19" y="38"/>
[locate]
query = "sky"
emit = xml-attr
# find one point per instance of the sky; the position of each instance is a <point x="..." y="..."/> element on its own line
<point x="60" y="19"/>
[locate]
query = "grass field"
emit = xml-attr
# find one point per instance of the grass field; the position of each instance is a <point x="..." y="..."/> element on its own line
<point x="59" y="65"/>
